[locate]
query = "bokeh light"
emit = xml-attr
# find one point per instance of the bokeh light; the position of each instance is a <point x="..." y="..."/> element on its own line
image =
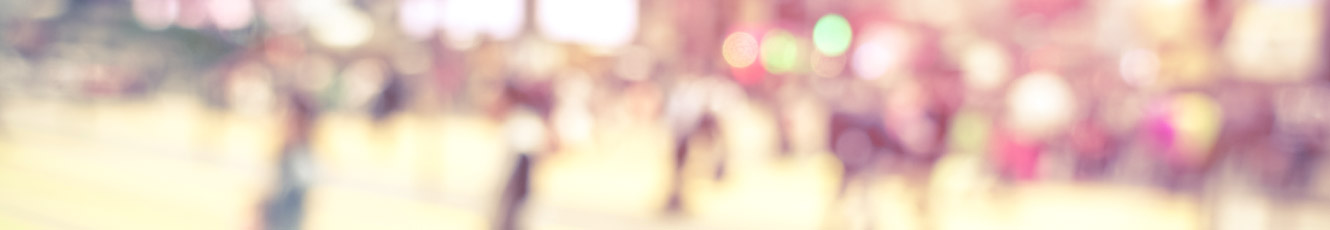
<point x="740" y="49"/>
<point x="780" y="51"/>
<point x="281" y="16"/>
<point x="832" y="35"/>
<point x="969" y="132"/>
<point x="1039" y="104"/>
<point x="1139" y="67"/>
<point x="418" y="19"/>
<point x="156" y="14"/>
<point x="880" y="51"/>
<point x="1195" y="119"/>
<point x="194" y="14"/>
<point x="340" y="25"/>
<point x="465" y="22"/>
<point x="231" y="14"/>
<point x="598" y="23"/>
<point x="986" y="66"/>
<point x="1276" y="41"/>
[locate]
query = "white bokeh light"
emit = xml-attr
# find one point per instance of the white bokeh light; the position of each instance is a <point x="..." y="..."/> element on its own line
<point x="231" y="14"/>
<point x="1039" y="104"/>
<point x="281" y="15"/>
<point x="465" y="21"/>
<point x="986" y="66"/>
<point x="156" y="14"/>
<point x="598" y="23"/>
<point x="1275" y="41"/>
<point x="1139" y="67"/>
<point x="335" y="23"/>
<point x="881" y="50"/>
<point x="418" y="19"/>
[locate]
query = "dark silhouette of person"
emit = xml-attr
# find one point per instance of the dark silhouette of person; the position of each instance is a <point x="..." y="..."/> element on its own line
<point x="389" y="99"/>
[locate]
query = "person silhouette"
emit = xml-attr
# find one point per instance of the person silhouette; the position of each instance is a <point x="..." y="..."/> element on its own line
<point x="284" y="207"/>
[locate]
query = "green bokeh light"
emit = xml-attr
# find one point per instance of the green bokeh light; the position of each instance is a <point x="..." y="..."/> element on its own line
<point x="780" y="52"/>
<point x="831" y="35"/>
<point x="969" y="132"/>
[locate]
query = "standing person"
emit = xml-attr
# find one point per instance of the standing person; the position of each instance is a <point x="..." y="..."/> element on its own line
<point x="706" y="129"/>
<point x="690" y="111"/>
<point x="526" y="107"/>
<point x="284" y="207"/>
<point x="526" y="134"/>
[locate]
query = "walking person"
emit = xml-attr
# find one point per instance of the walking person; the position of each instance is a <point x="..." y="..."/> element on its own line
<point x="284" y="207"/>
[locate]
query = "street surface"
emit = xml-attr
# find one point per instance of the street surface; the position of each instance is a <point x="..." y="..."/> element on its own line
<point x="169" y="163"/>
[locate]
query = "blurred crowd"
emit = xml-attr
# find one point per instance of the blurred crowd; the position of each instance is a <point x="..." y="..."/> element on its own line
<point x="1178" y="95"/>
